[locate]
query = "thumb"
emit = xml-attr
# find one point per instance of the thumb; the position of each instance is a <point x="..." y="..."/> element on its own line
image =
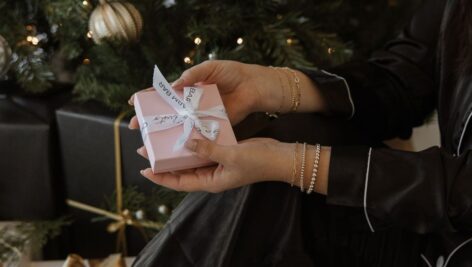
<point x="199" y="73"/>
<point x="209" y="150"/>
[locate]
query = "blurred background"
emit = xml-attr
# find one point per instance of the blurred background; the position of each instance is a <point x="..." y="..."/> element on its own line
<point x="69" y="179"/>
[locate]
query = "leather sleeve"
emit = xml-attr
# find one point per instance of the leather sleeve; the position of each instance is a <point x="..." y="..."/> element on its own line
<point x="425" y="191"/>
<point x="395" y="89"/>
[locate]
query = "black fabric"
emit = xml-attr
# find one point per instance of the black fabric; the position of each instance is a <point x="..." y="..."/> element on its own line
<point x="428" y="191"/>
<point x="241" y="228"/>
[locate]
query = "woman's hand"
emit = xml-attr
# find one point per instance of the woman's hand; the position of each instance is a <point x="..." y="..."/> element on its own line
<point x="254" y="160"/>
<point x="244" y="88"/>
<point x="248" y="88"/>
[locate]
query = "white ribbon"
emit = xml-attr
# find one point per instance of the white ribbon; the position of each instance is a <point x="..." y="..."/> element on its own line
<point x="187" y="113"/>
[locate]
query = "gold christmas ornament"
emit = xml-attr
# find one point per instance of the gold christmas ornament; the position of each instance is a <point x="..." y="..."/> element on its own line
<point x="5" y="56"/>
<point x="116" y="20"/>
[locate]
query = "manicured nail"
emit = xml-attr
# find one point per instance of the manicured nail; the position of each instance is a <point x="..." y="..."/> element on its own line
<point x="177" y="83"/>
<point x="142" y="172"/>
<point x="131" y="100"/>
<point x="191" y="145"/>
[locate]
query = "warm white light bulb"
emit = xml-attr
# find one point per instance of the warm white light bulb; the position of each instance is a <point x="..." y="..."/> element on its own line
<point x="89" y="34"/>
<point x="240" y="41"/>
<point x="197" y="40"/>
<point x="29" y="38"/>
<point x="85" y="3"/>
<point x="187" y="60"/>
<point x="34" y="40"/>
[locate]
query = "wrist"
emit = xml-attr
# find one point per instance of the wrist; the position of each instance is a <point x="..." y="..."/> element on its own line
<point x="272" y="91"/>
<point x="287" y="164"/>
<point x="282" y="162"/>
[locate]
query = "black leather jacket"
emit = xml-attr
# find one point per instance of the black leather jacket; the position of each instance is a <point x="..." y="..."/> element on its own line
<point x="427" y="192"/>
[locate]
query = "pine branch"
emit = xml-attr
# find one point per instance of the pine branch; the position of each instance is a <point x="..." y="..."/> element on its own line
<point x="15" y="239"/>
<point x="31" y="69"/>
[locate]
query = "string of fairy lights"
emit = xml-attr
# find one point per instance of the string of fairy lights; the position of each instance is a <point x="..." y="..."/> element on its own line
<point x="34" y="38"/>
<point x="197" y="41"/>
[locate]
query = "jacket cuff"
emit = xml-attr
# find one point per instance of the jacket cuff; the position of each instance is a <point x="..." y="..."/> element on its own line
<point x="349" y="179"/>
<point x="335" y="91"/>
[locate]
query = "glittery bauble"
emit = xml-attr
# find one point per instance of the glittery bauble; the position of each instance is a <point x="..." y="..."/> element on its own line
<point x="118" y="20"/>
<point x="163" y="209"/>
<point x="5" y="56"/>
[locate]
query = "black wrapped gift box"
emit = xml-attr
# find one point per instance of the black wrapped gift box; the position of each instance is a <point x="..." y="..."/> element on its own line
<point x="87" y="149"/>
<point x="27" y="179"/>
<point x="30" y="186"/>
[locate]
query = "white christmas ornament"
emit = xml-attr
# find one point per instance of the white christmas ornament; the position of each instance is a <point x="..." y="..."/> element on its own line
<point x="168" y="3"/>
<point x="163" y="209"/>
<point x="116" y="20"/>
<point x="212" y="56"/>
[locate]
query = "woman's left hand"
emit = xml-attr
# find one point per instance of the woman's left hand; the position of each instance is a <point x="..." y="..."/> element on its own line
<point x="254" y="160"/>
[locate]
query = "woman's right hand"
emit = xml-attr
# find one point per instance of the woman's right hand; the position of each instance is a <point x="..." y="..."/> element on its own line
<point x="248" y="88"/>
<point x="244" y="88"/>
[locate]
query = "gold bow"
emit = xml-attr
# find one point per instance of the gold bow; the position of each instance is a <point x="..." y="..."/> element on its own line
<point x="114" y="260"/>
<point x="122" y="216"/>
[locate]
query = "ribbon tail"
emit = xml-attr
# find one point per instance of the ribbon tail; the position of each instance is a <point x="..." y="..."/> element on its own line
<point x="208" y="128"/>
<point x="188" y="125"/>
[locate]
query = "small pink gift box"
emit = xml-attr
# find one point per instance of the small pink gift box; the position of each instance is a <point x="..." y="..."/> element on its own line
<point x="160" y="144"/>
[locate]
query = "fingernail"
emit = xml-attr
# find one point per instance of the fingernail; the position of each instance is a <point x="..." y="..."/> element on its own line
<point x="191" y="145"/>
<point x="142" y="172"/>
<point x="179" y="82"/>
<point x="131" y="100"/>
<point x="139" y="150"/>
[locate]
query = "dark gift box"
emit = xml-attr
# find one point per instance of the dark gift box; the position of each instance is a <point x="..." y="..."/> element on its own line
<point x="86" y="135"/>
<point x="30" y="188"/>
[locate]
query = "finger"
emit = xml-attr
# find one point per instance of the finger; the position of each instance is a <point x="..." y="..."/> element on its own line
<point x="133" y="123"/>
<point x="199" y="73"/>
<point x="142" y="151"/>
<point x="188" y="182"/>
<point x="210" y="150"/>
<point x="131" y="99"/>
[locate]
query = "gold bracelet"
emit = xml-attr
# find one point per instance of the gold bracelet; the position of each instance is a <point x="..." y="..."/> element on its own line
<point x="283" y="88"/>
<point x="302" y="170"/>
<point x="294" y="165"/>
<point x="314" y="172"/>
<point x="292" y="90"/>
<point x="296" y="103"/>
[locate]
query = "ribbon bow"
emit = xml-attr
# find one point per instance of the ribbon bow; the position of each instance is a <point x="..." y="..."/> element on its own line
<point x="187" y="112"/>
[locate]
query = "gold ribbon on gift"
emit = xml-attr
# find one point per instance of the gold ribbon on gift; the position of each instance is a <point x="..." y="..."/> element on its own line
<point x="122" y="216"/>
<point x="114" y="260"/>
